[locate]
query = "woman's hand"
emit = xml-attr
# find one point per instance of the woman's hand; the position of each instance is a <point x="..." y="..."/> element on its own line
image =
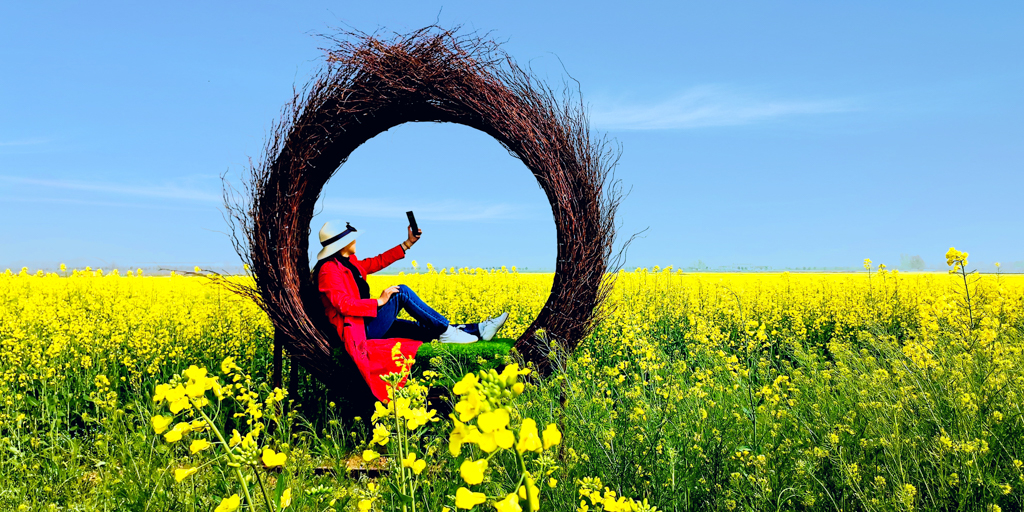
<point x="407" y="244"/>
<point x="413" y="237"/>
<point x="386" y="295"/>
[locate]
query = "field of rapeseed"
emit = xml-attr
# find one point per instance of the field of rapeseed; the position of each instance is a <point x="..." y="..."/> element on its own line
<point x="871" y="391"/>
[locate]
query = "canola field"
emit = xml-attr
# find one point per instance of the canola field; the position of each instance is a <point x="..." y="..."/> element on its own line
<point x="872" y="391"/>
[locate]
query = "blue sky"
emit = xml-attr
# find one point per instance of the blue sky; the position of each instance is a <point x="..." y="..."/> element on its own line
<point x="782" y="134"/>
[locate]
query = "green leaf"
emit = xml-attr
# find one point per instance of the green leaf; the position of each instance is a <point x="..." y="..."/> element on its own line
<point x="282" y="484"/>
<point x="405" y="499"/>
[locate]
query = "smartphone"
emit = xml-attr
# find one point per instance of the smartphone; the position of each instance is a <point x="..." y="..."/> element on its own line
<point x="412" y="224"/>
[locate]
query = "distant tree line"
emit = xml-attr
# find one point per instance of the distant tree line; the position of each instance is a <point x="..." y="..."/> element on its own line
<point x="915" y="262"/>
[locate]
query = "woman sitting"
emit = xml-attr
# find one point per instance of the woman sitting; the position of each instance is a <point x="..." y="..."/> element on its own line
<point x="341" y="279"/>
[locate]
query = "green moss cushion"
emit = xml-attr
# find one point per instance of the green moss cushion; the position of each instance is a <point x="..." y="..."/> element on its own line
<point x="487" y="349"/>
<point x="452" y="360"/>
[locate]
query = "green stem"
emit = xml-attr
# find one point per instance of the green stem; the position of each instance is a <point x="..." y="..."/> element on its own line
<point x="412" y="476"/>
<point x="522" y="468"/>
<point x="270" y="505"/>
<point x="401" y="448"/>
<point x="970" y="312"/>
<point x="231" y="456"/>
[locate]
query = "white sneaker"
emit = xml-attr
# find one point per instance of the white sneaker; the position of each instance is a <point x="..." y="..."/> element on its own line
<point x="489" y="327"/>
<point x="456" y="335"/>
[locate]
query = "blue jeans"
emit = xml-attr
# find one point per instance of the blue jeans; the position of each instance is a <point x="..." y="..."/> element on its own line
<point x="428" y="324"/>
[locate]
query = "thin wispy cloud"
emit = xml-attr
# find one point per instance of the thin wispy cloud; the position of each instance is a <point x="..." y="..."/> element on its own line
<point x="152" y="191"/>
<point x="439" y="211"/>
<point x="22" y="142"/>
<point x="706" y="106"/>
<point x="87" y="202"/>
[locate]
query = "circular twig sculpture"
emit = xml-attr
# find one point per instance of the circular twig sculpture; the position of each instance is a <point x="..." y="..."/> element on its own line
<point x="370" y="85"/>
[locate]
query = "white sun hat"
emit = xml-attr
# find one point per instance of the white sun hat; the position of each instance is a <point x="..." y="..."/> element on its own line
<point x="334" y="238"/>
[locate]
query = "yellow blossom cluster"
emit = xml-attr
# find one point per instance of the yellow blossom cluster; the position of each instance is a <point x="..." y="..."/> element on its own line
<point x="60" y="331"/>
<point x="607" y="500"/>
<point x="187" y="394"/>
<point x="895" y="389"/>
<point x="484" y="420"/>
<point x="956" y="259"/>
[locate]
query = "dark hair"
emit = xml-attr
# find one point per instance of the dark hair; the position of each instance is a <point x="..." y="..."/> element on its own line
<point x="314" y="275"/>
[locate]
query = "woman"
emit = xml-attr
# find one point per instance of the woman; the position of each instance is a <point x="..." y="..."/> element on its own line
<point x="370" y="327"/>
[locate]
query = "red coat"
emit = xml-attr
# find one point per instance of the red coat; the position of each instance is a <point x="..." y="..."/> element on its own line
<point x="346" y="311"/>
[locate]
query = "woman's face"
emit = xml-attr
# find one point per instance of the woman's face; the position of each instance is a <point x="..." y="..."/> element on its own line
<point x="349" y="249"/>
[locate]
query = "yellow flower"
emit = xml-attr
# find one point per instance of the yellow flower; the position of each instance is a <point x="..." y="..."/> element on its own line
<point x="365" y="505"/>
<point x="409" y="460"/>
<point x="229" y="504"/>
<point x="235" y="438"/>
<point x="473" y="471"/>
<point x="195" y="373"/>
<point x="552" y="483"/>
<point x="504" y="438"/>
<point x="402" y="406"/>
<point x="181" y="474"/>
<point x="381" y="435"/>
<point x="509" y="504"/>
<point x="273" y="460"/>
<point x="180" y="404"/>
<point x="461" y="433"/>
<point x="380" y="411"/>
<point x="228" y="365"/>
<point x="418" y="417"/>
<point x="198" y="445"/>
<point x="160" y="423"/>
<point x="486" y="442"/>
<point x="249" y="441"/>
<point x="195" y="389"/>
<point x="468" y="383"/>
<point x="511" y="374"/>
<point x="464" y="498"/>
<point x="551" y="436"/>
<point x="286" y="499"/>
<point x="469" y="406"/>
<point x="956" y="259"/>
<point x="370" y="455"/>
<point x="160" y="394"/>
<point x="174" y="435"/>
<point x="528" y="440"/>
<point x="493" y="420"/>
